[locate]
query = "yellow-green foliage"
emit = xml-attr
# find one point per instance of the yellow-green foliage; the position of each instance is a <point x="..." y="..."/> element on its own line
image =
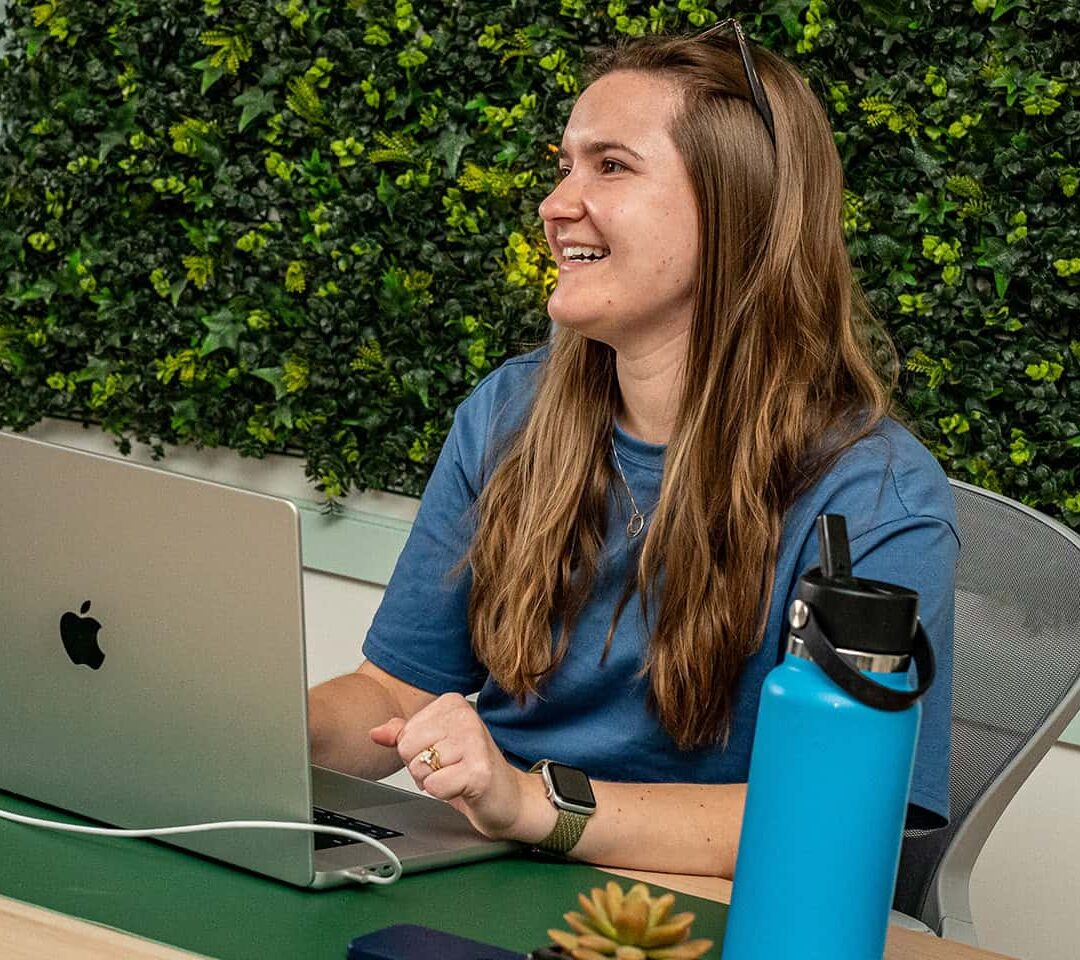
<point x="313" y="226"/>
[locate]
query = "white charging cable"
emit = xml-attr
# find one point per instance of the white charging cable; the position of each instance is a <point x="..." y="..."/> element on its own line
<point x="360" y="875"/>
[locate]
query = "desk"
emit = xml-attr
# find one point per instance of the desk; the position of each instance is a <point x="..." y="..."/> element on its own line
<point x="208" y="909"/>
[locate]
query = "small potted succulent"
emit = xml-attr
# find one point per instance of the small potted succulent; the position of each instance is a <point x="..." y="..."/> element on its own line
<point x="628" y="926"/>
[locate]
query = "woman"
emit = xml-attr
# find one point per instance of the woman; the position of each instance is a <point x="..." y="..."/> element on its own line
<point x="708" y="391"/>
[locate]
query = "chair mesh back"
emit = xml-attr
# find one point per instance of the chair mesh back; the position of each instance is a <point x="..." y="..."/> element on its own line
<point x="1016" y="657"/>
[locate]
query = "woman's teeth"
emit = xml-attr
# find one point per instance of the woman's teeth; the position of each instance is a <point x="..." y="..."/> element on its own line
<point x="584" y="254"/>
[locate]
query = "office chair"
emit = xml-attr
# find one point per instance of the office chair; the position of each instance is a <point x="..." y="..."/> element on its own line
<point x="1016" y="686"/>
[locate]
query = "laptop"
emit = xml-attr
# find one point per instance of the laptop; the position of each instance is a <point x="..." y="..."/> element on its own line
<point x="154" y="671"/>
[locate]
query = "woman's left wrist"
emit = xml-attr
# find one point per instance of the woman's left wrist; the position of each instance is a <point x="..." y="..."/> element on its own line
<point x="536" y="814"/>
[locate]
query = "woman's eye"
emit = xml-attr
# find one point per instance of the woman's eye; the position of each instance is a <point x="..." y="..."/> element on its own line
<point x="562" y="173"/>
<point x="612" y="166"/>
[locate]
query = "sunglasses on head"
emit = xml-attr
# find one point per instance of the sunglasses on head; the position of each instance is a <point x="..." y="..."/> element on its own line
<point x="757" y="89"/>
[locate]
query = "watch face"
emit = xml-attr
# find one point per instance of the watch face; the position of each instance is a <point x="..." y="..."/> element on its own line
<point x="571" y="785"/>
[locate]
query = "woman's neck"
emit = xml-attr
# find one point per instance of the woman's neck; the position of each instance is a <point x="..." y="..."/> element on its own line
<point x="650" y="385"/>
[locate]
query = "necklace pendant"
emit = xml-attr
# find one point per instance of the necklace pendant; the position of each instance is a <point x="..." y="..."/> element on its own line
<point x="634" y="527"/>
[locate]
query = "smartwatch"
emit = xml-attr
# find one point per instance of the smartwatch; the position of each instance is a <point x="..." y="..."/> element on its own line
<point x="570" y="792"/>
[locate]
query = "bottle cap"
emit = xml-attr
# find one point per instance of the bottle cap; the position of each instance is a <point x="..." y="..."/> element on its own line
<point x="867" y="616"/>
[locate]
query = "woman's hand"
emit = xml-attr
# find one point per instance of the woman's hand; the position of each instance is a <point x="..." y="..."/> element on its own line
<point x="670" y="827"/>
<point x="467" y="769"/>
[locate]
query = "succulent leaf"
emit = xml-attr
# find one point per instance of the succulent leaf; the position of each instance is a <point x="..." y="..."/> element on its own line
<point x="600" y="916"/>
<point x="597" y="922"/>
<point x="632" y="920"/>
<point x="565" y="940"/>
<point x="594" y="941"/>
<point x="659" y="908"/>
<point x="690" y="950"/>
<point x="627" y="952"/>
<point x="578" y="923"/>
<point x="614" y="899"/>
<point x="674" y="931"/>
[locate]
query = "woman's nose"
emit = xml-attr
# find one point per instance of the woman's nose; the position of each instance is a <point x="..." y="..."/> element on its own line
<point x="564" y="202"/>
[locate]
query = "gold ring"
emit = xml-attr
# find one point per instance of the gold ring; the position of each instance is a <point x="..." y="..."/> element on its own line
<point x="430" y="756"/>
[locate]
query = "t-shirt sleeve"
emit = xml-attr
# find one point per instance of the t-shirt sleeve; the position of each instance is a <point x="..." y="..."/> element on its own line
<point x="420" y="632"/>
<point x="919" y="552"/>
<point x="903" y="529"/>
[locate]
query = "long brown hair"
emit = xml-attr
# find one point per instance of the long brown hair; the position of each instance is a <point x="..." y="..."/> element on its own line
<point x="778" y="381"/>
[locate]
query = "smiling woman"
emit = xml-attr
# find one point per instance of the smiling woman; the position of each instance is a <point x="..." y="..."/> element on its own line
<point x="622" y="222"/>
<point x="708" y="392"/>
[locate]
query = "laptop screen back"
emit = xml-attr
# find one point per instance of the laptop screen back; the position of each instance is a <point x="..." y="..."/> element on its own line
<point x="152" y="629"/>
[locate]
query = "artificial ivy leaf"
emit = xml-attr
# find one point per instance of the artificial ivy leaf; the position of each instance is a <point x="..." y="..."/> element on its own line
<point x="275" y="377"/>
<point x="1009" y="79"/>
<point x="1002" y="7"/>
<point x="96" y="368"/>
<point x="107" y="140"/>
<point x="185" y="412"/>
<point x="210" y="74"/>
<point x="417" y="381"/>
<point x="399" y="108"/>
<point x="789" y="12"/>
<point x="386" y="192"/>
<point x="921" y="207"/>
<point x="38" y="290"/>
<point x="224" y="331"/>
<point x="176" y="289"/>
<point x="255" y="102"/>
<point x="121" y="126"/>
<point x="283" y="416"/>
<point x="11" y="357"/>
<point x="449" y="147"/>
<point x="888" y="15"/>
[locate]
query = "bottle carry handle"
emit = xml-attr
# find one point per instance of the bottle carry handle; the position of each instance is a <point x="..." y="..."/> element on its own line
<point x="855" y="682"/>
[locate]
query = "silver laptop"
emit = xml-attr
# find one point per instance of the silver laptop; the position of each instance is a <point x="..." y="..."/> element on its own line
<point x="154" y="674"/>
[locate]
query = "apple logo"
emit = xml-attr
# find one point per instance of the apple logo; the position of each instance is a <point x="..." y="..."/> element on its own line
<point x="80" y="638"/>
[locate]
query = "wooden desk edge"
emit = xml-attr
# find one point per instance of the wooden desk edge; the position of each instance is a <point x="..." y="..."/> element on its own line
<point x="29" y="932"/>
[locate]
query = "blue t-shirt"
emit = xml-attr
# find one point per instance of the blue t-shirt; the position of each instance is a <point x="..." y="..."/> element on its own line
<point x="901" y="526"/>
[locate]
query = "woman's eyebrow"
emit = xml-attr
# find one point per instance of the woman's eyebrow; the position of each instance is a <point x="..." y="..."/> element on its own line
<point x="603" y="146"/>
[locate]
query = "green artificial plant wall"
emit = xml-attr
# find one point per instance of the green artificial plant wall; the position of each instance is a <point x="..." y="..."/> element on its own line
<point x="288" y="225"/>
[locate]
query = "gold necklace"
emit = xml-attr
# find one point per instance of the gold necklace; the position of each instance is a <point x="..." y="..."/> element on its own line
<point x="637" y="520"/>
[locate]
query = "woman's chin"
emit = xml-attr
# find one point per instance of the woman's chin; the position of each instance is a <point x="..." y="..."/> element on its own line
<point x="572" y="316"/>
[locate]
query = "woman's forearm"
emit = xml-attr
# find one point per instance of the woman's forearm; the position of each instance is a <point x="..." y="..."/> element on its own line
<point x="340" y="714"/>
<point x="666" y="827"/>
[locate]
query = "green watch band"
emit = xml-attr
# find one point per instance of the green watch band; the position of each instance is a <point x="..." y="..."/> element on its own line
<point x="569" y="823"/>
<point x="567" y="832"/>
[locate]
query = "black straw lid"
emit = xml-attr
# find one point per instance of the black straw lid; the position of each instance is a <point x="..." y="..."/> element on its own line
<point x="856" y="614"/>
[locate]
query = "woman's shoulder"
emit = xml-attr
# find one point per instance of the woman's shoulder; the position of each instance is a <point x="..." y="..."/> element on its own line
<point x="512" y="377"/>
<point x="495" y="408"/>
<point x="504" y="395"/>
<point x="887" y="476"/>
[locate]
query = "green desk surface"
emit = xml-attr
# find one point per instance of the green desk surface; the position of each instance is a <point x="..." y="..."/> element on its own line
<point x="165" y="894"/>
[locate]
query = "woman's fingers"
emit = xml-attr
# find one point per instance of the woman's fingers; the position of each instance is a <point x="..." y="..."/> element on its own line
<point x="387" y="734"/>
<point x="437" y="718"/>
<point x="450" y="716"/>
<point x="451" y="756"/>
<point x="432" y="759"/>
<point x="449" y="783"/>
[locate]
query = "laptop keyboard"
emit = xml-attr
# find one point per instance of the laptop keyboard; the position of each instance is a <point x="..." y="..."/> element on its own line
<point x="328" y="818"/>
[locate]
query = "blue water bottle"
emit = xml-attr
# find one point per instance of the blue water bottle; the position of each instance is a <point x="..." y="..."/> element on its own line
<point x="831" y="769"/>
